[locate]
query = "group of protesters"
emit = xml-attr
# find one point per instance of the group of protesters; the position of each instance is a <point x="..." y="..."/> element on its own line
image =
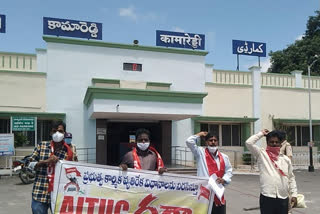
<point x="277" y="181"/>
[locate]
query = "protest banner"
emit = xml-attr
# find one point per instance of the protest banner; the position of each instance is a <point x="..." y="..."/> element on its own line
<point x="91" y="188"/>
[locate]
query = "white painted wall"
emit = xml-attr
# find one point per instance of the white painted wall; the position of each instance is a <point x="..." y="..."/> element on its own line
<point x="144" y="107"/>
<point x="41" y="60"/>
<point x="288" y="103"/>
<point x="70" y="69"/>
<point x="22" y="92"/>
<point x="228" y="101"/>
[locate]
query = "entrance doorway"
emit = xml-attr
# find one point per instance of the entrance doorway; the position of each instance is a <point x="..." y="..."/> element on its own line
<point x="120" y="137"/>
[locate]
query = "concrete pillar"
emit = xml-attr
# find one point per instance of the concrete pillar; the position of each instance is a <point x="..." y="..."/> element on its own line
<point x="245" y="134"/>
<point x="256" y="87"/>
<point x="209" y="73"/>
<point x="298" y="76"/>
<point x="101" y="141"/>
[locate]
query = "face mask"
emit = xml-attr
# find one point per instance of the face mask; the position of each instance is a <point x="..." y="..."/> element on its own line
<point x="143" y="146"/>
<point x="273" y="152"/>
<point x="212" y="149"/>
<point x="68" y="140"/>
<point x="57" y="137"/>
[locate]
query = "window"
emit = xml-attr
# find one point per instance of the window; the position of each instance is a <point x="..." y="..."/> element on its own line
<point x="44" y="128"/>
<point x="226" y="135"/>
<point x="4" y="125"/>
<point x="132" y="67"/>
<point x="297" y="135"/>
<point x="229" y="134"/>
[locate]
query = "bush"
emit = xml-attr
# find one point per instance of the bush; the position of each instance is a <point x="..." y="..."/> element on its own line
<point x="19" y="139"/>
<point x="246" y="158"/>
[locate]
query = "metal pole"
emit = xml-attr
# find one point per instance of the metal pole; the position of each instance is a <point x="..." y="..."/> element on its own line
<point x="259" y="61"/>
<point x="10" y="158"/>
<point x="237" y="62"/>
<point x="36" y="131"/>
<point x="311" y="168"/>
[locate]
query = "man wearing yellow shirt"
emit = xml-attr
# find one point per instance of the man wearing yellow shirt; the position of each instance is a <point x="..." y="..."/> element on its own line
<point x="277" y="180"/>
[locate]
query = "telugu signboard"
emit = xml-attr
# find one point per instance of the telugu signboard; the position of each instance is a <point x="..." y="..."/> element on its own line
<point x="92" y="188"/>
<point x="72" y="28"/>
<point x="6" y="144"/>
<point x="23" y="123"/>
<point x="249" y="48"/>
<point x="2" y="23"/>
<point x="180" y="40"/>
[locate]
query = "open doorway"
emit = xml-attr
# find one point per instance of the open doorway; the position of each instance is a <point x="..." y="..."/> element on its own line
<point x="120" y="138"/>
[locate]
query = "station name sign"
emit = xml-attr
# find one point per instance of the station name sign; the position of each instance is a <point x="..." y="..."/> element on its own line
<point x="72" y="28"/>
<point x="2" y="23"/>
<point x="249" y="48"/>
<point x="180" y="40"/>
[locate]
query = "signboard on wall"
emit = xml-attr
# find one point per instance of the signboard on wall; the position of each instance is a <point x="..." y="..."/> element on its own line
<point x="72" y="28"/>
<point x="6" y="144"/>
<point x="23" y="123"/>
<point x="249" y="48"/>
<point x="180" y="40"/>
<point x="2" y="23"/>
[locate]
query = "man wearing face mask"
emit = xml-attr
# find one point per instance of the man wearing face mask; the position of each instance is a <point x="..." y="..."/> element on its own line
<point x="43" y="160"/>
<point x="68" y="140"/>
<point x="277" y="180"/>
<point x="211" y="161"/>
<point x="143" y="156"/>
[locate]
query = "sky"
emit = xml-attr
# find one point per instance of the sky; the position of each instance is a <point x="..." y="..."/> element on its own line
<point x="278" y="23"/>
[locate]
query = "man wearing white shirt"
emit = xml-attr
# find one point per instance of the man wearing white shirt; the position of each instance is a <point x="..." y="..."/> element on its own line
<point x="211" y="161"/>
<point x="277" y="180"/>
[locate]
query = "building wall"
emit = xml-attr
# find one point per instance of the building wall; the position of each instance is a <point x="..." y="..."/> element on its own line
<point x="22" y="88"/>
<point x="288" y="103"/>
<point x="70" y="69"/>
<point x="22" y="91"/>
<point x="228" y="101"/>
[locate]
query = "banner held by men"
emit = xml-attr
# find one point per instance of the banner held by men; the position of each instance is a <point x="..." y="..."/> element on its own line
<point x="91" y="188"/>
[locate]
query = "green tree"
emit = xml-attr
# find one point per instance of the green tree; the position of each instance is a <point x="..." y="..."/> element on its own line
<point x="298" y="55"/>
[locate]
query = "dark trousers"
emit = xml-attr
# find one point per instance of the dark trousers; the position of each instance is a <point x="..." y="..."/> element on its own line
<point x="218" y="209"/>
<point x="273" y="205"/>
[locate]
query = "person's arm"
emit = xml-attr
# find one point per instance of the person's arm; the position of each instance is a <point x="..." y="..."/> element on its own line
<point x="35" y="162"/>
<point x="126" y="162"/>
<point x="162" y="170"/>
<point x="192" y="142"/>
<point x="292" y="185"/>
<point x="251" y="142"/>
<point x="74" y="151"/>
<point x="34" y="158"/>
<point x="228" y="171"/>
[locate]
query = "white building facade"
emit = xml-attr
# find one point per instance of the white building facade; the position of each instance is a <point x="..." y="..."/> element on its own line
<point x="106" y="91"/>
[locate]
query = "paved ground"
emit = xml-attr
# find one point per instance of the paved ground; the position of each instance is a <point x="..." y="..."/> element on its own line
<point x="243" y="192"/>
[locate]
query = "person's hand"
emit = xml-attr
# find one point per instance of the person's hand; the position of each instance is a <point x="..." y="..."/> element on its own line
<point x="124" y="166"/>
<point x="162" y="170"/>
<point x="294" y="202"/>
<point x="52" y="160"/>
<point x="265" y="131"/>
<point x="202" y="134"/>
<point x="220" y="181"/>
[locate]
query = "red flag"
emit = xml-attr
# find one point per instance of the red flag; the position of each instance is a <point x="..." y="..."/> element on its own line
<point x="73" y="169"/>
